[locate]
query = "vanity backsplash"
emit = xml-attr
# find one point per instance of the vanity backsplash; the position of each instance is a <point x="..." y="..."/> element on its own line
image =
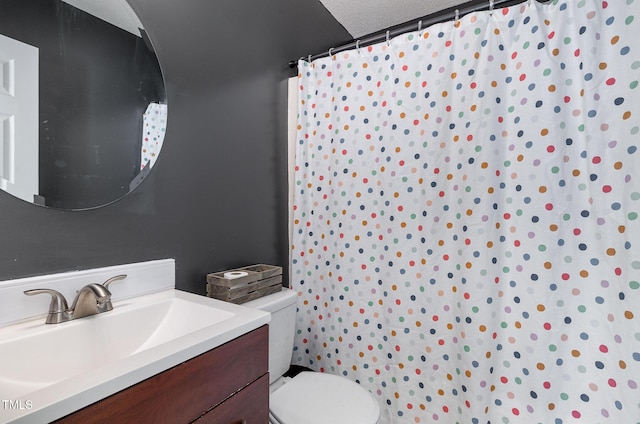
<point x="142" y="278"/>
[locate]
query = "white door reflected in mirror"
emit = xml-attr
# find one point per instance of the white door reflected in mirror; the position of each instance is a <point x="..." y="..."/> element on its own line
<point x="18" y="118"/>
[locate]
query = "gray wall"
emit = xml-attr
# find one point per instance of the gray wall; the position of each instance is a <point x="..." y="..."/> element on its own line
<point x="216" y="198"/>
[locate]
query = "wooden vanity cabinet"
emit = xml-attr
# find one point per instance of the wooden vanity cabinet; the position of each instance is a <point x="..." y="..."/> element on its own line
<point x="226" y="385"/>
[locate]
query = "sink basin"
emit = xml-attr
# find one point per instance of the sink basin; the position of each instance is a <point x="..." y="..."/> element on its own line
<point x="49" y="371"/>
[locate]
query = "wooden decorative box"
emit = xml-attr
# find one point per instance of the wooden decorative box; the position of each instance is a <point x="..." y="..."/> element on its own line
<point x="260" y="280"/>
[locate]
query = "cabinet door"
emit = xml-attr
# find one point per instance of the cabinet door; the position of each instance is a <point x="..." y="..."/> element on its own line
<point x="249" y="406"/>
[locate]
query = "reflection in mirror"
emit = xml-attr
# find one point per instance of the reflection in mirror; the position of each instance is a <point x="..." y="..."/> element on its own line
<point x="82" y="102"/>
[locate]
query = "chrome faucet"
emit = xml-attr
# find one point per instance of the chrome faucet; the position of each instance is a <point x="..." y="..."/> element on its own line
<point x="92" y="299"/>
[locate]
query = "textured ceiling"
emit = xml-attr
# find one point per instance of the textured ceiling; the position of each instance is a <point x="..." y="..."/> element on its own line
<point x="359" y="17"/>
<point x="363" y="17"/>
<point x="116" y="12"/>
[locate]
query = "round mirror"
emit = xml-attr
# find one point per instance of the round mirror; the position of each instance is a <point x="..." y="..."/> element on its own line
<point x="82" y="102"/>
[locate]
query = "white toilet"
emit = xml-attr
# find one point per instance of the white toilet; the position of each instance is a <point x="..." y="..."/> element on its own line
<point x="309" y="397"/>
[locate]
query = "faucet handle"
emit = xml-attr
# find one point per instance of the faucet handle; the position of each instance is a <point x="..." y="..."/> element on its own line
<point x="114" y="279"/>
<point x="58" y="306"/>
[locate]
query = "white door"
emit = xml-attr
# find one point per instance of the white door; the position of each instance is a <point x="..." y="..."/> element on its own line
<point x="18" y="118"/>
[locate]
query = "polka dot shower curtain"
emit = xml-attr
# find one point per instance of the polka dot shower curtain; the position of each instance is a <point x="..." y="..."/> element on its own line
<point x="466" y="237"/>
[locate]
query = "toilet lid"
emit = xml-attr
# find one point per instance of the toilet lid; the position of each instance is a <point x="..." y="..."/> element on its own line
<point x="318" y="398"/>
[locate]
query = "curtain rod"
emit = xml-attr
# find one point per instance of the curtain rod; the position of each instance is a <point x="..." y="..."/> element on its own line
<point x="424" y="22"/>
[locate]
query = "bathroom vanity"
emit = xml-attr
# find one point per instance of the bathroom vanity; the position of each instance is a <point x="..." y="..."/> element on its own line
<point x="228" y="384"/>
<point x="160" y="355"/>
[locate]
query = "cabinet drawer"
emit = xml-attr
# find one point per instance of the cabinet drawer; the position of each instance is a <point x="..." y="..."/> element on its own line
<point x="249" y="406"/>
<point x="183" y="393"/>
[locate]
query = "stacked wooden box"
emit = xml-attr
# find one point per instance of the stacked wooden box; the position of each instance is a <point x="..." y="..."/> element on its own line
<point x="260" y="280"/>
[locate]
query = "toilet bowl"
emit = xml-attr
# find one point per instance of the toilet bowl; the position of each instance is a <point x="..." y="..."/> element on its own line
<point x="309" y="397"/>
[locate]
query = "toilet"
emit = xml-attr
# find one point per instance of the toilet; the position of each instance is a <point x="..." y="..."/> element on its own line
<point x="309" y="397"/>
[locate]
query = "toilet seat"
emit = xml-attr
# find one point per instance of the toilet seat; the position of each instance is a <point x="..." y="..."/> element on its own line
<point x="319" y="398"/>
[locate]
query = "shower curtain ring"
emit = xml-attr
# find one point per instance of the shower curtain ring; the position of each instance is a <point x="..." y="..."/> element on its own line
<point x="358" y="46"/>
<point x="420" y="25"/>
<point x="309" y="58"/>
<point x="490" y="7"/>
<point x="331" y="52"/>
<point x="457" y="18"/>
<point x="388" y="43"/>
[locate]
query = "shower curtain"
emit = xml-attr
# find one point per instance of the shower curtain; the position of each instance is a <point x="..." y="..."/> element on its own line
<point x="466" y="237"/>
<point x="154" y="122"/>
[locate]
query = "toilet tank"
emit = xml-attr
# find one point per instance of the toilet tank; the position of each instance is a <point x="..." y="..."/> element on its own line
<point x="282" y="306"/>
